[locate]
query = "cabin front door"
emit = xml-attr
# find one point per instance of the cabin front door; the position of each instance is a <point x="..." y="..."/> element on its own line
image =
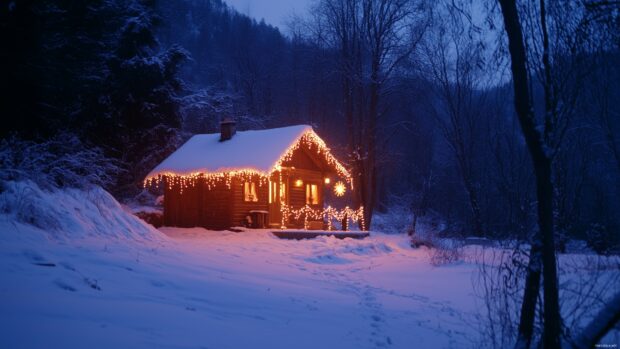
<point x="278" y="195"/>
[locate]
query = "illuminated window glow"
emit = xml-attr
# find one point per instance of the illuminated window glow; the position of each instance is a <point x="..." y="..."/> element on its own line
<point x="283" y="192"/>
<point x="312" y="194"/>
<point x="249" y="192"/>
<point x="273" y="191"/>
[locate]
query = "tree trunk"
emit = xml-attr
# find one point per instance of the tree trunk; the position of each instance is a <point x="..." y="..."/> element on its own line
<point x="371" y="167"/>
<point x="474" y="206"/>
<point x="552" y="321"/>
<point x="411" y="232"/>
<point x="542" y="169"/>
<point x="530" y="297"/>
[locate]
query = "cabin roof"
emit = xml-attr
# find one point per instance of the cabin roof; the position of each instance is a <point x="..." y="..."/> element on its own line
<point x="258" y="150"/>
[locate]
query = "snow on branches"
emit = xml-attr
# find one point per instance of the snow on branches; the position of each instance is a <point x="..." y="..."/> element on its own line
<point x="62" y="161"/>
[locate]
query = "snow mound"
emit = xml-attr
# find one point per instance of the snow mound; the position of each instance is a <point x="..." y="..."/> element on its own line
<point x="361" y="247"/>
<point x="369" y="249"/>
<point x="72" y="213"/>
<point x="330" y="250"/>
<point x="327" y="259"/>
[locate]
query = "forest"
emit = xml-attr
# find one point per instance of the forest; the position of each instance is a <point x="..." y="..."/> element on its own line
<point x="422" y="108"/>
<point x="487" y="119"/>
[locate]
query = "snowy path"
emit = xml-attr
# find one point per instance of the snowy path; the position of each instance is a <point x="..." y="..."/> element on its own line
<point x="203" y="289"/>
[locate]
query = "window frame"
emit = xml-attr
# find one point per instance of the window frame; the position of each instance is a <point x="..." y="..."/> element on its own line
<point x="316" y="200"/>
<point x="273" y="192"/>
<point x="283" y="193"/>
<point x="251" y="187"/>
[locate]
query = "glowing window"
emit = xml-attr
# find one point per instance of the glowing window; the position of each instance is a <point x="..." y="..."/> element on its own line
<point x="312" y="194"/>
<point x="249" y="192"/>
<point x="273" y="191"/>
<point x="283" y="192"/>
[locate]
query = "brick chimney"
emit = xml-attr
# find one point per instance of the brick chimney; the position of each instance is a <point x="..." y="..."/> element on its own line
<point x="227" y="129"/>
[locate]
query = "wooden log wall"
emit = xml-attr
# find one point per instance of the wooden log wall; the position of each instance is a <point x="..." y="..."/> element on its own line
<point x="197" y="206"/>
<point x="240" y="208"/>
<point x="221" y="207"/>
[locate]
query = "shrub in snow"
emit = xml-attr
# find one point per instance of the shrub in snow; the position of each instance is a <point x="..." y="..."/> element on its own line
<point x="61" y="161"/>
<point x="601" y="239"/>
<point x="148" y="206"/>
<point x="72" y="212"/>
<point x="145" y="198"/>
<point x="445" y="251"/>
<point x="155" y="219"/>
<point x="418" y="241"/>
<point x="396" y="220"/>
<point x="23" y="200"/>
<point x="441" y="251"/>
<point x="498" y="283"/>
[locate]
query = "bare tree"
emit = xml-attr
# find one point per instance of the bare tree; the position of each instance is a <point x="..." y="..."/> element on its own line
<point x="373" y="37"/>
<point x="542" y="168"/>
<point x="559" y="62"/>
<point x="604" y="112"/>
<point x="455" y="56"/>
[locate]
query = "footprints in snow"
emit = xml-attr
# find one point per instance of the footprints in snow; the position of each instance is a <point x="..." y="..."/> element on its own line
<point x="39" y="260"/>
<point x="370" y="306"/>
<point x="377" y="315"/>
<point x="63" y="285"/>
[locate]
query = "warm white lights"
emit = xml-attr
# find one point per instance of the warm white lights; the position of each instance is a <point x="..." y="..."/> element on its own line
<point x="329" y="213"/>
<point x="327" y="180"/>
<point x="310" y="139"/>
<point x="299" y="183"/>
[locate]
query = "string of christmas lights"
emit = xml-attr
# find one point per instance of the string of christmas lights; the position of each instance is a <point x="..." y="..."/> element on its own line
<point x="329" y="213"/>
<point x="210" y="179"/>
<point x="309" y="138"/>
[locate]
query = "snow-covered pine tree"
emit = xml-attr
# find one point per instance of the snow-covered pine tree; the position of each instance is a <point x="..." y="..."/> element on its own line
<point x="142" y="116"/>
<point x="94" y="69"/>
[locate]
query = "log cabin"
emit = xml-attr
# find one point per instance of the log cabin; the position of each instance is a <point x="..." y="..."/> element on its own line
<point x="255" y="178"/>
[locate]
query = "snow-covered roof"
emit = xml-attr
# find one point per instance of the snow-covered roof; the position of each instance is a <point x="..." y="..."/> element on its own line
<point x="259" y="151"/>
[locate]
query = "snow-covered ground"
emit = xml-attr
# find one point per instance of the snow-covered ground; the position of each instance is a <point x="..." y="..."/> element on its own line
<point x="100" y="278"/>
<point x="228" y="290"/>
<point x="77" y="271"/>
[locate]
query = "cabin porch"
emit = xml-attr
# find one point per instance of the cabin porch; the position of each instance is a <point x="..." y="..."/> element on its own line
<point x="296" y="234"/>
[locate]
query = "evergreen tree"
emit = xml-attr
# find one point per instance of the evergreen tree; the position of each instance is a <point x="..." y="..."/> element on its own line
<point x="94" y="69"/>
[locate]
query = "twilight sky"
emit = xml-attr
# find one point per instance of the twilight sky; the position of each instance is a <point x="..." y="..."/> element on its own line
<point x="275" y="12"/>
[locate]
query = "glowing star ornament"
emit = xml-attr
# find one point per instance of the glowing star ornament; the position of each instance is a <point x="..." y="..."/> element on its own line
<point x="339" y="189"/>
